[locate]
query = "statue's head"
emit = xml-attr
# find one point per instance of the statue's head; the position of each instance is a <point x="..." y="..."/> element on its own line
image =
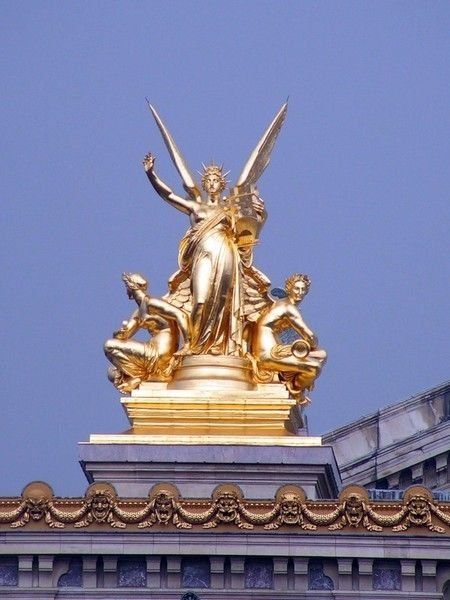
<point x="134" y="282"/>
<point x="213" y="179"/>
<point x="297" y="286"/>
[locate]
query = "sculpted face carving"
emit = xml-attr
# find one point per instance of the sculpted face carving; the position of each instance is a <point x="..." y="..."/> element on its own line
<point x="290" y="509"/>
<point x="101" y="504"/>
<point x="419" y="511"/>
<point x="213" y="180"/>
<point x="36" y="507"/>
<point x="354" y="509"/>
<point x="228" y="507"/>
<point x="164" y="507"/>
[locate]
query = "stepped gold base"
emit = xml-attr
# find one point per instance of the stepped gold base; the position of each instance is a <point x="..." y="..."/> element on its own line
<point x="211" y="400"/>
<point x="210" y="414"/>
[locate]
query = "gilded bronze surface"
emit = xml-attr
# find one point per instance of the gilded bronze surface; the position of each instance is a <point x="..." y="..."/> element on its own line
<point x="135" y="361"/>
<point x="165" y="510"/>
<point x="218" y="327"/>
<point x="222" y="406"/>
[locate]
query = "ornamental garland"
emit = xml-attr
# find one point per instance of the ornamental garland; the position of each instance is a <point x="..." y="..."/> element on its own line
<point x="165" y="509"/>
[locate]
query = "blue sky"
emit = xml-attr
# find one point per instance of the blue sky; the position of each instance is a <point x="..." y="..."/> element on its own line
<point x="357" y="192"/>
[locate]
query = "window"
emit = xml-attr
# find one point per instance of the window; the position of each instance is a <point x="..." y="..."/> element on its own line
<point x="74" y="574"/>
<point x="317" y="580"/>
<point x="132" y="571"/>
<point x="258" y="573"/>
<point x="9" y="570"/>
<point x="195" y="572"/>
<point x="386" y="575"/>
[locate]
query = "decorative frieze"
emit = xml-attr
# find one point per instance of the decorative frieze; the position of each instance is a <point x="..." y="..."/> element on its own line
<point x="164" y="509"/>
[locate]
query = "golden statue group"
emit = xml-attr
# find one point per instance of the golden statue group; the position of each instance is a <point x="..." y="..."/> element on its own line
<point x="218" y="311"/>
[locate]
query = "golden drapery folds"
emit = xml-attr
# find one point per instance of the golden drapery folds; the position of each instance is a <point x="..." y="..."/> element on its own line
<point x="209" y="257"/>
<point x="218" y="303"/>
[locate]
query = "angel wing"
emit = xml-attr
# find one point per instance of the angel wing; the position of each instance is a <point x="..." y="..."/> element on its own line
<point x="189" y="182"/>
<point x="255" y="293"/>
<point x="260" y="157"/>
<point x="179" y="293"/>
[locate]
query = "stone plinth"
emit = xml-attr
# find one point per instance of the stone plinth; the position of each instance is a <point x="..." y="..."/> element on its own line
<point x="199" y="438"/>
<point x="196" y="469"/>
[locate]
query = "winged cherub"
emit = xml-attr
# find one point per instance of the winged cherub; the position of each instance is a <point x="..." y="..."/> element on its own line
<point x="135" y="361"/>
<point x="298" y="364"/>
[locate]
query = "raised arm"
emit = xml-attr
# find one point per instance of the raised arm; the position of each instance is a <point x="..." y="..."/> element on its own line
<point x="185" y="205"/>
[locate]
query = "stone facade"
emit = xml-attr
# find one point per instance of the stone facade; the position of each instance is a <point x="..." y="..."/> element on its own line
<point x="197" y="469"/>
<point x="212" y="539"/>
<point x="165" y="546"/>
<point x="398" y="446"/>
<point x="99" y="566"/>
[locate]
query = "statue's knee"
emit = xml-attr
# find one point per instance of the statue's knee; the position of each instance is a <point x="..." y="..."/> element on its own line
<point x="110" y="346"/>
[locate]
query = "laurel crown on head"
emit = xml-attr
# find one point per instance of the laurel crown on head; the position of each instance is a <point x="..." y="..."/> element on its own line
<point x="292" y="280"/>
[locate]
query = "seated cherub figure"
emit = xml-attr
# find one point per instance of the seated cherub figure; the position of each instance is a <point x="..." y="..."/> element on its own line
<point x="298" y="364"/>
<point x="135" y="361"/>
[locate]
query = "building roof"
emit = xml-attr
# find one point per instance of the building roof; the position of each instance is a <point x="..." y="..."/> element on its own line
<point x="402" y="436"/>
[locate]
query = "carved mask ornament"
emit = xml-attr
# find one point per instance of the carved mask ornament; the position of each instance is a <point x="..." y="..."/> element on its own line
<point x="290" y="509"/>
<point x="354" y="509"/>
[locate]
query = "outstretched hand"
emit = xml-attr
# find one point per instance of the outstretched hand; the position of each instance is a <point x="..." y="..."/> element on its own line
<point x="149" y="162"/>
